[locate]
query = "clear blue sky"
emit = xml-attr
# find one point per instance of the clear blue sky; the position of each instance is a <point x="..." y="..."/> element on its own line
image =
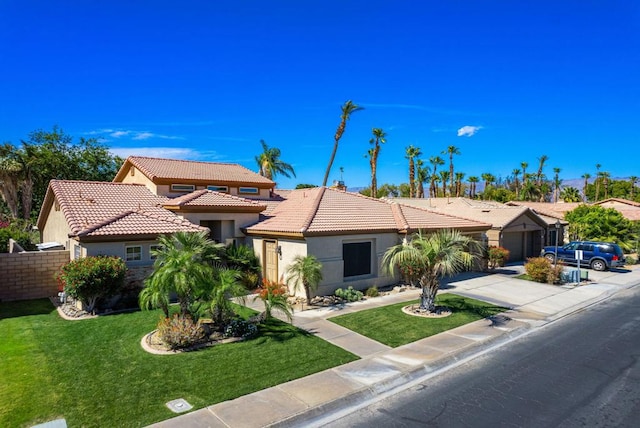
<point x="207" y="80"/>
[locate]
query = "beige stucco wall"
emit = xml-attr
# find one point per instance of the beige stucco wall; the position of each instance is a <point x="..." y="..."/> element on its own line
<point x="55" y="228"/>
<point x="139" y="178"/>
<point x="239" y="220"/>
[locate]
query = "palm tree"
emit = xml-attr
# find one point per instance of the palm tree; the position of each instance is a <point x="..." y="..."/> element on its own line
<point x="516" y="173"/>
<point x="438" y="255"/>
<point x="305" y="271"/>
<point x="570" y="194"/>
<point x="451" y="150"/>
<point x="605" y="182"/>
<point x="181" y="267"/>
<point x="597" y="180"/>
<point x="556" y="184"/>
<point x="633" y="179"/>
<point x="459" y="178"/>
<point x="586" y="177"/>
<point x="436" y="161"/>
<point x="422" y="175"/>
<point x="347" y="109"/>
<point x="444" y="177"/>
<point x="473" y="181"/>
<point x="524" y="166"/>
<point x="270" y="164"/>
<point x="541" y="161"/>
<point x="488" y="181"/>
<point x="412" y="153"/>
<point x="379" y="137"/>
<point x="226" y="283"/>
<point x="10" y="176"/>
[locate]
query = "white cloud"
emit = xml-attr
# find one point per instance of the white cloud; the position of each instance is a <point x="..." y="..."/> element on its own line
<point x="118" y="134"/>
<point x="468" y="130"/>
<point x="156" y="152"/>
<point x="134" y="135"/>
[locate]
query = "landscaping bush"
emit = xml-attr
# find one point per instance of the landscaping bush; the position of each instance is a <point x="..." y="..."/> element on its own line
<point x="275" y="297"/>
<point x="350" y="295"/>
<point x="372" y="292"/>
<point x="240" y="328"/>
<point x="180" y="331"/>
<point x="91" y="278"/>
<point x="630" y="261"/>
<point x="498" y="256"/>
<point x="410" y="272"/>
<point x="18" y="234"/>
<point x="541" y="269"/>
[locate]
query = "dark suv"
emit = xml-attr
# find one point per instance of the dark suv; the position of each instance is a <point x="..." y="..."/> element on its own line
<point x="596" y="255"/>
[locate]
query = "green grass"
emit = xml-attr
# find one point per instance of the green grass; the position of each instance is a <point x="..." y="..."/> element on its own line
<point x="94" y="372"/>
<point x="391" y="326"/>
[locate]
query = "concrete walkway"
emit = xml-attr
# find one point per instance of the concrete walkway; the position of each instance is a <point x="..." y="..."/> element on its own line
<point x="383" y="370"/>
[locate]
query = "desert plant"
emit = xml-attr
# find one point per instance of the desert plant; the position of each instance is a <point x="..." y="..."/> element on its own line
<point x="91" y="278"/>
<point x="274" y="296"/>
<point x="240" y="328"/>
<point x="540" y="269"/>
<point x="372" y="292"/>
<point x="226" y="283"/>
<point x="350" y="294"/>
<point x="243" y="259"/>
<point x="498" y="256"/>
<point x="305" y="271"/>
<point x="180" y="331"/>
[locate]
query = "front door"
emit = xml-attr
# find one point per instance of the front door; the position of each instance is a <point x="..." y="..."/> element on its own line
<point x="271" y="260"/>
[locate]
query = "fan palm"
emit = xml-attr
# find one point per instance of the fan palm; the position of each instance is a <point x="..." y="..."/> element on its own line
<point x="270" y="163"/>
<point x="379" y="137"/>
<point x="347" y="109"/>
<point x="451" y="150"/>
<point x="412" y="153"/>
<point x="305" y="271"/>
<point x="438" y="255"/>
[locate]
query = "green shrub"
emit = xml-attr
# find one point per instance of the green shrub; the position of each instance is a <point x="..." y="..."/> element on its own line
<point x="180" y="331"/>
<point x="372" y="292"/>
<point x="630" y="261"/>
<point x="541" y="269"/>
<point x="350" y="295"/>
<point x="498" y="256"/>
<point x="240" y="328"/>
<point x="91" y="278"/>
<point x="18" y="234"/>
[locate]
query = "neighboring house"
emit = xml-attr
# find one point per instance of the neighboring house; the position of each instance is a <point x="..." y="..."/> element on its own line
<point x="629" y="209"/>
<point x="347" y="232"/>
<point x="518" y="229"/>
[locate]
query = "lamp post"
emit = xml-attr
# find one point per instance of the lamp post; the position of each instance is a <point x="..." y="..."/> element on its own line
<point x="557" y="233"/>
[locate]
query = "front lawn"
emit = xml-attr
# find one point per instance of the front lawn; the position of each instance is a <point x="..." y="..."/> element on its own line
<point x="94" y="372"/>
<point x="391" y="326"/>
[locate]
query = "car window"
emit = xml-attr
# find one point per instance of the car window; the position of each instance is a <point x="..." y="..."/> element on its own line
<point x="585" y="247"/>
<point x="607" y="248"/>
<point x="571" y="246"/>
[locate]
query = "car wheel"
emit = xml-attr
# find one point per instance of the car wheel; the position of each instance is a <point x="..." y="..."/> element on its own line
<point x="550" y="257"/>
<point x="599" y="265"/>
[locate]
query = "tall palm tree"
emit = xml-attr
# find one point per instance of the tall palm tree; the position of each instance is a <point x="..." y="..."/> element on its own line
<point x="586" y="177"/>
<point x="270" y="163"/>
<point x="347" y="109"/>
<point x="516" y="173"/>
<point x="444" y="177"/>
<point x="473" y="181"/>
<point x="541" y="161"/>
<point x="412" y="153"/>
<point x="438" y="255"/>
<point x="379" y="137"/>
<point x="524" y="166"/>
<point x="436" y="161"/>
<point x="181" y="267"/>
<point x="451" y="150"/>
<point x="605" y="182"/>
<point x="305" y="271"/>
<point x="597" y="182"/>
<point x="556" y="184"/>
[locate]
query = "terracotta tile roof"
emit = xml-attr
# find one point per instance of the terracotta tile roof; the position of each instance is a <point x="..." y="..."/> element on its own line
<point x="159" y="170"/>
<point x="211" y="200"/>
<point x="555" y="210"/>
<point x="325" y="211"/>
<point x="94" y="208"/>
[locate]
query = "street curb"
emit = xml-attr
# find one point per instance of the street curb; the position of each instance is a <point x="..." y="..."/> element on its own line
<point x="314" y="416"/>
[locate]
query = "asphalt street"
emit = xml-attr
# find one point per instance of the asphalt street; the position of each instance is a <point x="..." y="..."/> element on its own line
<point x="579" y="371"/>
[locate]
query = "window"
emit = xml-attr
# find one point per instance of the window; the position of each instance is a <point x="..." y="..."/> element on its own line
<point x="132" y="171"/>
<point x="223" y="189"/>
<point x="77" y="251"/>
<point x="250" y="190"/>
<point x="183" y="187"/>
<point x="357" y="258"/>
<point x="152" y="249"/>
<point x="133" y="253"/>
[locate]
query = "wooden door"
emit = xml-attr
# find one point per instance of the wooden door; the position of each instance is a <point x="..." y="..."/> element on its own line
<point x="271" y="260"/>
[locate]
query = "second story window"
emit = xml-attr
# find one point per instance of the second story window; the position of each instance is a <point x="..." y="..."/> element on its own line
<point x="183" y="187"/>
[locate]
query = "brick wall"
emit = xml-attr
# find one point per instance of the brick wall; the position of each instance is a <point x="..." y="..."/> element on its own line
<point x="30" y="275"/>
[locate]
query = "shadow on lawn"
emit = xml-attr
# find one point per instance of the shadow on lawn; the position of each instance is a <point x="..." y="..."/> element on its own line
<point x="460" y="304"/>
<point x="23" y="308"/>
<point x="279" y="331"/>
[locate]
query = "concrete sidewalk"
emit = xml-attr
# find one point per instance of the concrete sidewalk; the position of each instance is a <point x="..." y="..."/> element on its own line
<point x="383" y="370"/>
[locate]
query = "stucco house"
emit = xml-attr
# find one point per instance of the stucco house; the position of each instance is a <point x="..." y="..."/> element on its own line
<point x="346" y="231"/>
<point x="519" y="229"/>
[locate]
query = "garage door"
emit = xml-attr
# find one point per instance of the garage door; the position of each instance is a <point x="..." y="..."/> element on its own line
<point x="512" y="241"/>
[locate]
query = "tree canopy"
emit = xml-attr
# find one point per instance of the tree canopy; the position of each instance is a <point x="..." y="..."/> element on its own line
<point x="595" y="223"/>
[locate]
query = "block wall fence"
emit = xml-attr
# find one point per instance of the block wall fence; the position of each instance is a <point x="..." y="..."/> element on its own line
<point x="30" y="275"/>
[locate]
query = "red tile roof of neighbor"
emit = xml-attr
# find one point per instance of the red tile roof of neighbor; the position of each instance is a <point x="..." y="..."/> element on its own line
<point x="166" y="170"/>
<point x="211" y="200"/>
<point x="326" y="211"/>
<point x="101" y="208"/>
